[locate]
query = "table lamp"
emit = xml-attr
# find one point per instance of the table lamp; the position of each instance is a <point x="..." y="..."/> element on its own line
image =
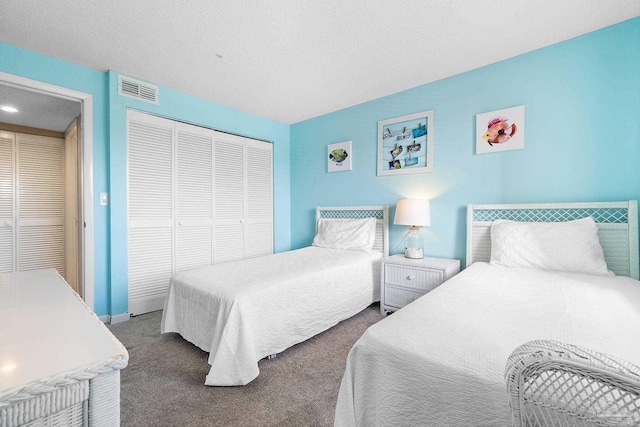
<point x="415" y="213"/>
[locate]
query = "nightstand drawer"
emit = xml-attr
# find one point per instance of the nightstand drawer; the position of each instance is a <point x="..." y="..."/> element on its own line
<point x="406" y="279"/>
<point x="422" y="280"/>
<point x="399" y="297"/>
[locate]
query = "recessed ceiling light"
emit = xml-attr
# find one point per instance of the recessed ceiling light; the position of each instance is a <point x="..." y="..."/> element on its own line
<point x="8" y="109"/>
<point x="8" y="367"/>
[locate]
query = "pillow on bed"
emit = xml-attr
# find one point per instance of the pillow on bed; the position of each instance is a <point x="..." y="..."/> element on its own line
<point x="353" y="234"/>
<point x="571" y="246"/>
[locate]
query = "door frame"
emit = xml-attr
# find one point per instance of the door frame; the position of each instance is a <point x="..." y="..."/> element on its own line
<point x="86" y="134"/>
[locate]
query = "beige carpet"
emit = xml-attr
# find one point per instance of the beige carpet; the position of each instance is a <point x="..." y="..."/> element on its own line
<point x="164" y="382"/>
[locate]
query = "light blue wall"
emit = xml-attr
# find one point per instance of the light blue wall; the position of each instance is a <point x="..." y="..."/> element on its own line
<point x="109" y="157"/>
<point x="24" y="63"/>
<point x="582" y="100"/>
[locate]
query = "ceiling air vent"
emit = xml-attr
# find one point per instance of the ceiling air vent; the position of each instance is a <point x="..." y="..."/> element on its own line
<point x="136" y="89"/>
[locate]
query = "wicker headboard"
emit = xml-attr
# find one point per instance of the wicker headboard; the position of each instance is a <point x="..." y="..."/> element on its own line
<point x="381" y="213"/>
<point x="617" y="228"/>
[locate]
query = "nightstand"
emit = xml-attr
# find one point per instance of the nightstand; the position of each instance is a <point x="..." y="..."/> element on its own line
<point x="404" y="279"/>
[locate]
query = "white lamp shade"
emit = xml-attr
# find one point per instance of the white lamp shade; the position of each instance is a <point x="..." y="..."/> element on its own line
<point x="413" y="212"/>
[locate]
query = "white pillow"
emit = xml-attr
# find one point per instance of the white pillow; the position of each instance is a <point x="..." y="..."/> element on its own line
<point x="571" y="246"/>
<point x="353" y="234"/>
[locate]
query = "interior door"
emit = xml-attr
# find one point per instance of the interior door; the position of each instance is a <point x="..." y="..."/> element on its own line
<point x="229" y="197"/>
<point x="71" y="211"/>
<point x="7" y="201"/>
<point x="194" y="196"/>
<point x="40" y="202"/>
<point x="259" y="216"/>
<point x="150" y="174"/>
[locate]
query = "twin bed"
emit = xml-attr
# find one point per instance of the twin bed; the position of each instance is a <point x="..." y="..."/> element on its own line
<point x="533" y="272"/>
<point x="243" y="311"/>
<point x="441" y="359"/>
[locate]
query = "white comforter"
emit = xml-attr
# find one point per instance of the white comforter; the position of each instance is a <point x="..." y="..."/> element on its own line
<point x="440" y="360"/>
<point x="243" y="311"/>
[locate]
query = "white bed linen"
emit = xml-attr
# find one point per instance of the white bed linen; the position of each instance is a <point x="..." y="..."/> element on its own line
<point x="243" y="311"/>
<point x="440" y="360"/>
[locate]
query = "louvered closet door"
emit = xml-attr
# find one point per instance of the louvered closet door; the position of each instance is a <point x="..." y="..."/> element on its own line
<point x="7" y="226"/>
<point x="150" y="192"/>
<point x="40" y="202"/>
<point x="229" y="197"/>
<point x="194" y="196"/>
<point x="259" y="217"/>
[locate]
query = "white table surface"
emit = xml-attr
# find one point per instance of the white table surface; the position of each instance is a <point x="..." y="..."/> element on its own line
<point x="45" y="329"/>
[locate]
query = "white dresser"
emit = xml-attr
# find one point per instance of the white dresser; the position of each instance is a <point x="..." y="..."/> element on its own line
<point x="59" y="365"/>
<point x="404" y="279"/>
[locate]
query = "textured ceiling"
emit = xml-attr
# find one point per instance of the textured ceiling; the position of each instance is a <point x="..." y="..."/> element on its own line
<point x="37" y="110"/>
<point x="293" y="60"/>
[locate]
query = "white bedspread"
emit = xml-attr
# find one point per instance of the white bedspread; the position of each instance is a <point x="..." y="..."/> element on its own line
<point x="243" y="311"/>
<point x="440" y="361"/>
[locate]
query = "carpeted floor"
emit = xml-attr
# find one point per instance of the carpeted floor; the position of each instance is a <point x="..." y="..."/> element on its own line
<point x="164" y="382"/>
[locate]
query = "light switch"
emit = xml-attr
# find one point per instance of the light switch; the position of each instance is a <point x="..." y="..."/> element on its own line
<point x="104" y="199"/>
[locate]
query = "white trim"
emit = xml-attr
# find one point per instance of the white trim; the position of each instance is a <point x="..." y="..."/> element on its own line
<point x="86" y="101"/>
<point x="119" y="318"/>
<point x="105" y="319"/>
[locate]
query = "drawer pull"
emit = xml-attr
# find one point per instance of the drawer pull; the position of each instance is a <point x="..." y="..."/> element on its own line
<point x="410" y="277"/>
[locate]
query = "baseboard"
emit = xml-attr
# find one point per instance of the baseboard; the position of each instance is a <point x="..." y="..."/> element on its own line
<point x="105" y="319"/>
<point x="119" y="318"/>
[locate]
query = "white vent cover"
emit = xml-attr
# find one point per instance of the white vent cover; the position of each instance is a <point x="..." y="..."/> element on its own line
<point x="136" y="89"/>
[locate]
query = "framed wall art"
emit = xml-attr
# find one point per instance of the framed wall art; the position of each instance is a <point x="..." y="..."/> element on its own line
<point x="500" y="130"/>
<point x="405" y="144"/>
<point x="339" y="157"/>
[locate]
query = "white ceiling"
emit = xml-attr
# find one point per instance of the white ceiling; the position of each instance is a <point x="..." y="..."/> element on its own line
<point x="290" y="60"/>
<point x="37" y="110"/>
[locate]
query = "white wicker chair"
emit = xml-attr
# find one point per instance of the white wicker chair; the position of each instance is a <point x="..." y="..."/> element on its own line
<point x="556" y="384"/>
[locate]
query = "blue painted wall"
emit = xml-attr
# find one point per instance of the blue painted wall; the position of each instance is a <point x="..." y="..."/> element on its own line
<point x="582" y="100"/>
<point x="109" y="157"/>
<point x="24" y="63"/>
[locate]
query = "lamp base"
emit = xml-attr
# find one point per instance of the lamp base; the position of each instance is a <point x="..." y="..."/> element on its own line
<point x="414" y="253"/>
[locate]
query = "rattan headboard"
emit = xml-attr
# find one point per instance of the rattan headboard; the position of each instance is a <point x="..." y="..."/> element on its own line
<point x="617" y="228"/>
<point x="381" y="213"/>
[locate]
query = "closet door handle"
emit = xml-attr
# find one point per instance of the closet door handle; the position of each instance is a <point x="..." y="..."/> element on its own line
<point x="7" y="224"/>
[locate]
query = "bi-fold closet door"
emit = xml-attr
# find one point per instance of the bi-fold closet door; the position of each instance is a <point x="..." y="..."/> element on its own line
<point x="31" y="202"/>
<point x="243" y="198"/>
<point x="7" y="204"/>
<point x="195" y="197"/>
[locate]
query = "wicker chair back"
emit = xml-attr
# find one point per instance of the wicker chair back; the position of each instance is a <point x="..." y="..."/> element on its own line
<point x="556" y="384"/>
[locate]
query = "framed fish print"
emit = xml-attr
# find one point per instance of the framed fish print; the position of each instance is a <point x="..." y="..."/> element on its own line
<point x="405" y="144"/>
<point x="500" y="130"/>
<point x="339" y="157"/>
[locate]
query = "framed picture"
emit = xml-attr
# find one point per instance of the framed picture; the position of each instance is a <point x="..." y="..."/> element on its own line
<point x="500" y="130"/>
<point x="339" y="157"/>
<point x="405" y="144"/>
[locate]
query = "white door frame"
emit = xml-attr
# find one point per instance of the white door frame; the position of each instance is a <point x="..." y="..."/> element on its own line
<point x="86" y="101"/>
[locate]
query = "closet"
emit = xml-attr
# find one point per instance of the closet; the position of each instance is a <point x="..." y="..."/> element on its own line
<point x="196" y="197"/>
<point x="32" y="202"/>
